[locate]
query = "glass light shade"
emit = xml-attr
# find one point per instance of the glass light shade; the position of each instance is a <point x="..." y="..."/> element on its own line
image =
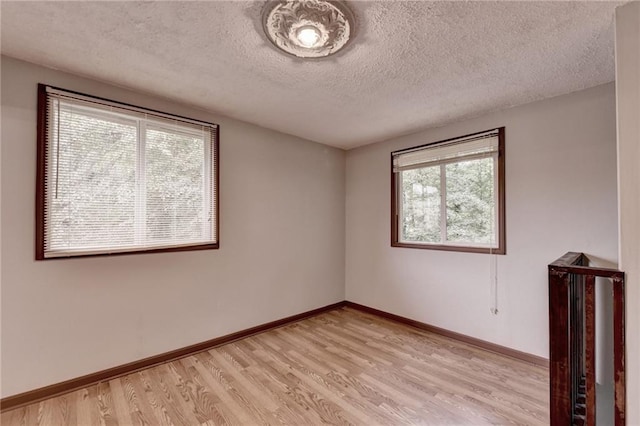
<point x="308" y="28"/>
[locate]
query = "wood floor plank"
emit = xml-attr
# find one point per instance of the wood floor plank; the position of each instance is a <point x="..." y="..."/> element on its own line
<point x="315" y="351"/>
<point x="361" y="408"/>
<point x="178" y="395"/>
<point x="331" y="402"/>
<point x="344" y="367"/>
<point x="162" y="411"/>
<point x="205" y="401"/>
<point x="106" y="407"/>
<point x="252" y="385"/>
<point x="139" y="406"/>
<point x="120" y="406"/>
<point x="282" y="387"/>
<point x="224" y="405"/>
<point x="233" y="394"/>
<point x="86" y="407"/>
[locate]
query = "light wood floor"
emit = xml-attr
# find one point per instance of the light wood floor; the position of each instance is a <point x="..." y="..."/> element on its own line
<point x="341" y="367"/>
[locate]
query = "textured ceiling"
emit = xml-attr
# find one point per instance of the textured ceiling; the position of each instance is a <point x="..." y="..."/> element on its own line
<point x="411" y="66"/>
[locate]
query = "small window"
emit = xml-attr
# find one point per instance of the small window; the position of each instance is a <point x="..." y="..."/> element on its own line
<point x="113" y="178"/>
<point x="449" y="195"/>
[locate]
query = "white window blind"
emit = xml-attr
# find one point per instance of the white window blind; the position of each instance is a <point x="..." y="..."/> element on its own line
<point x="476" y="147"/>
<point x="121" y="179"/>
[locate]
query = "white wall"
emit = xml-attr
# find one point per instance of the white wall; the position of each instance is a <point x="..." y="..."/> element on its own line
<point x="628" y="97"/>
<point x="560" y="196"/>
<point x="282" y="250"/>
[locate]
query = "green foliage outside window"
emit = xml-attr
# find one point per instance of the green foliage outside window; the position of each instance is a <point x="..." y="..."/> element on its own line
<point x="470" y="203"/>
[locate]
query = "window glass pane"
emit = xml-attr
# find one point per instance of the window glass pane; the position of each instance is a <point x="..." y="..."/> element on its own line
<point x="175" y="182"/>
<point x="91" y="185"/>
<point x="470" y="201"/>
<point x="421" y="205"/>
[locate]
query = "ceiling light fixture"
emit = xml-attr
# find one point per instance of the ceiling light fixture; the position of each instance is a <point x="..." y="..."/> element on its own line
<point x="308" y="28"/>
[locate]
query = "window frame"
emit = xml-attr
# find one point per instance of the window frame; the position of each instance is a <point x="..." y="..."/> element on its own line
<point x="41" y="164"/>
<point x="396" y="204"/>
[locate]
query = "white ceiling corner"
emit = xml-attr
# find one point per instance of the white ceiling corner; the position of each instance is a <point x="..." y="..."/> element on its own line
<point x="412" y="65"/>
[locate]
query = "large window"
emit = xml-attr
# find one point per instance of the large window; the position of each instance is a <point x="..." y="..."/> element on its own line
<point x="449" y="195"/>
<point x="114" y="178"/>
